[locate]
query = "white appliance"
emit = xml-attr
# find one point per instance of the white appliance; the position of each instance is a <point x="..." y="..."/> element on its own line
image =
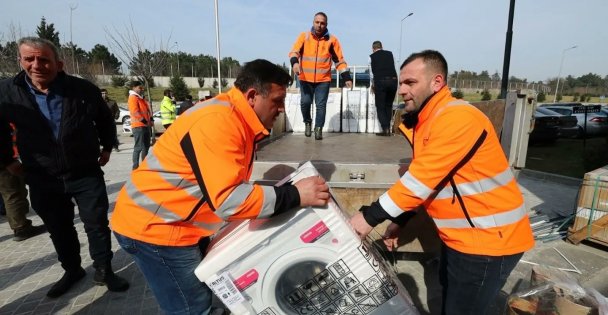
<point x="306" y="262"/>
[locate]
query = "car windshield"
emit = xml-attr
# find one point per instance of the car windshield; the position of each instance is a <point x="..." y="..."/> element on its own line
<point x="549" y="112"/>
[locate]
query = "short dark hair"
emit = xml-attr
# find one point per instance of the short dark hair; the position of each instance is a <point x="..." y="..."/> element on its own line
<point x="432" y="59"/>
<point x="104" y="91"/>
<point x="133" y="84"/>
<point x="322" y="14"/>
<point x="38" y="43"/>
<point x="167" y="92"/>
<point x="189" y="97"/>
<point x="377" y="45"/>
<point x="259" y="74"/>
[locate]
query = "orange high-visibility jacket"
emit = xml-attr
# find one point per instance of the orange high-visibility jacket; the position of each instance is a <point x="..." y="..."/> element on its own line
<point x="316" y="55"/>
<point x="139" y="110"/>
<point x="196" y="176"/>
<point x="461" y="175"/>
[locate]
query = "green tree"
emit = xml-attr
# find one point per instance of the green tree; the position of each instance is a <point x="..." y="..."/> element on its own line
<point x="458" y="94"/>
<point x="485" y="95"/>
<point x="101" y="55"/>
<point x="215" y="84"/>
<point x="179" y="87"/>
<point x="558" y="97"/>
<point x="201" y="81"/>
<point x="224" y="83"/>
<point x="541" y="97"/>
<point x="47" y="31"/>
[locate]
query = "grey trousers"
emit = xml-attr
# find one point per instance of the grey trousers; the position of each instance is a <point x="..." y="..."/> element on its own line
<point x="14" y="193"/>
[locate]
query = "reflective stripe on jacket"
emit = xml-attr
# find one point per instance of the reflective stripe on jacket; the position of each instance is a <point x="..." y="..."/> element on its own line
<point x="316" y="55"/>
<point x="196" y="176"/>
<point x="168" y="112"/>
<point x="139" y="110"/>
<point x="461" y="175"/>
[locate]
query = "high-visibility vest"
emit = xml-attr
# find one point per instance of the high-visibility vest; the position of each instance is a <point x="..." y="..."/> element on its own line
<point x="168" y="112"/>
<point x="196" y="176"/>
<point x="316" y="55"/>
<point x="139" y="110"/>
<point x="461" y="175"/>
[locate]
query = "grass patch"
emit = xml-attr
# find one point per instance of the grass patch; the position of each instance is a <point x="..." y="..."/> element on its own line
<point x="568" y="157"/>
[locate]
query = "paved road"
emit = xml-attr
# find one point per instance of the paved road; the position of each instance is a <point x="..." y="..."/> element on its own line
<point x="29" y="268"/>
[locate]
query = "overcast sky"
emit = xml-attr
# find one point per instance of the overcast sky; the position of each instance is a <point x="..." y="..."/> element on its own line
<point x="470" y="33"/>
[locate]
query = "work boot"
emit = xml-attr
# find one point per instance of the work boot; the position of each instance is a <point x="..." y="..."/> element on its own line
<point x="66" y="282"/>
<point x="318" y="133"/>
<point x="384" y="133"/>
<point x="105" y="276"/>
<point x="23" y="234"/>
<point x="307" y="129"/>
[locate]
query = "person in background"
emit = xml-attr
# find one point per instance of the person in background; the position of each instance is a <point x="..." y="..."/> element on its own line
<point x="141" y="122"/>
<point x="196" y="177"/>
<point x="460" y="174"/>
<point x="384" y="85"/>
<point x="61" y="123"/>
<point x="185" y="105"/>
<point x="14" y="203"/>
<point x="113" y="106"/>
<point x="168" y="112"/>
<point x="311" y="57"/>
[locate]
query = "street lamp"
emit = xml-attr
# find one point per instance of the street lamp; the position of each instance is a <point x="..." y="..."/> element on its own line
<point x="72" y="8"/>
<point x="401" y="35"/>
<point x="177" y="47"/>
<point x="560" y="71"/>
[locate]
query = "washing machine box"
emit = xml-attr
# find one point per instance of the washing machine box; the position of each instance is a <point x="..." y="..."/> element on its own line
<point x="304" y="262"/>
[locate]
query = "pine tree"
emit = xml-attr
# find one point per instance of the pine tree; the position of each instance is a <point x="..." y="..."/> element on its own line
<point x="47" y="31"/>
<point x="179" y="88"/>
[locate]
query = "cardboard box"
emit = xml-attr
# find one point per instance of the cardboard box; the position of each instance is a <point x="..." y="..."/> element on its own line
<point x="593" y="193"/>
<point x="591" y="220"/>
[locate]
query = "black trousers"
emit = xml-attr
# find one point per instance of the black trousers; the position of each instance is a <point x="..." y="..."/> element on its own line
<point x="384" y="92"/>
<point x="51" y="198"/>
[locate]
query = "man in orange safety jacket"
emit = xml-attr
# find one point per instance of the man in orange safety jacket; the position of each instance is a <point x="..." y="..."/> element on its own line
<point x="460" y="174"/>
<point x="196" y="177"/>
<point x="311" y="57"/>
<point x="141" y="121"/>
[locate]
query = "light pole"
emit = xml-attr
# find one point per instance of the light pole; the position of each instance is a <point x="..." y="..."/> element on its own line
<point x="177" y="47"/>
<point x="72" y="8"/>
<point x="400" y="37"/>
<point x="560" y="71"/>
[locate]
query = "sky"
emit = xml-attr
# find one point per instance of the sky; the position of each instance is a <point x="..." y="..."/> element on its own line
<point x="471" y="34"/>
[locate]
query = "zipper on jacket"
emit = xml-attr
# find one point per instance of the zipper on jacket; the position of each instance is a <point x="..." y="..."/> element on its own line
<point x="461" y="202"/>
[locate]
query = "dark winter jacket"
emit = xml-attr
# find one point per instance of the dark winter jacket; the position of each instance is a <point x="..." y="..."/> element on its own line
<point x="86" y="124"/>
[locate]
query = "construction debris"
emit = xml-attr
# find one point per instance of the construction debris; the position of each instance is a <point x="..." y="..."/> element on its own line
<point x="549" y="229"/>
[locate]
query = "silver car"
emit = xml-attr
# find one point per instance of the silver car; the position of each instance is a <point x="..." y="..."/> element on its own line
<point x="597" y="123"/>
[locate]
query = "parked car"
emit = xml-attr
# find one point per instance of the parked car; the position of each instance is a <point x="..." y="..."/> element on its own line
<point x="568" y="125"/>
<point x="123" y="115"/>
<point x="158" y="125"/>
<point x="546" y="128"/>
<point x="597" y="123"/>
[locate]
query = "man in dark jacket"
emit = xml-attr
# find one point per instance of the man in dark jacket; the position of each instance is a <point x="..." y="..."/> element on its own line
<point x="384" y="85"/>
<point x="113" y="106"/>
<point x="62" y="121"/>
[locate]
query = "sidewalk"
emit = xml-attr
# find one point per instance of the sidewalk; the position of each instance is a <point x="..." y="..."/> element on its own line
<point x="29" y="268"/>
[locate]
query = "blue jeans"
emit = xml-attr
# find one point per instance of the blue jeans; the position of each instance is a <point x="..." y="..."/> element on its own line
<point x="169" y="271"/>
<point x="321" y="92"/>
<point x="142" y="144"/>
<point x="471" y="283"/>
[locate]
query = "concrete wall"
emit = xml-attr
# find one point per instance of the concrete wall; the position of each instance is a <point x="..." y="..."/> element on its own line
<point x="191" y="82"/>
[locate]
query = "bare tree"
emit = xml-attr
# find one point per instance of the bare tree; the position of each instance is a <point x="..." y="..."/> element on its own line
<point x="132" y="50"/>
<point x="9" y="52"/>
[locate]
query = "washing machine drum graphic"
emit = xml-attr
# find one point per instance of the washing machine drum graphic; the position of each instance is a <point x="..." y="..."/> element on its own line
<point x="291" y="283"/>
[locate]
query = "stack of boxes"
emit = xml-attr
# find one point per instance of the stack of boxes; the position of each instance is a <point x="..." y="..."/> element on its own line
<point x="591" y="221"/>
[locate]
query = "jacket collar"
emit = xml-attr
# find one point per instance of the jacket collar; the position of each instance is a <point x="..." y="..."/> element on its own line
<point x="131" y="92"/>
<point x="325" y="35"/>
<point x="251" y="119"/>
<point x="434" y="103"/>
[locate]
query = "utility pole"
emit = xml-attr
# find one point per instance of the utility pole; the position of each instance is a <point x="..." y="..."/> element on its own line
<point x="72" y="8"/>
<point x="507" y="59"/>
